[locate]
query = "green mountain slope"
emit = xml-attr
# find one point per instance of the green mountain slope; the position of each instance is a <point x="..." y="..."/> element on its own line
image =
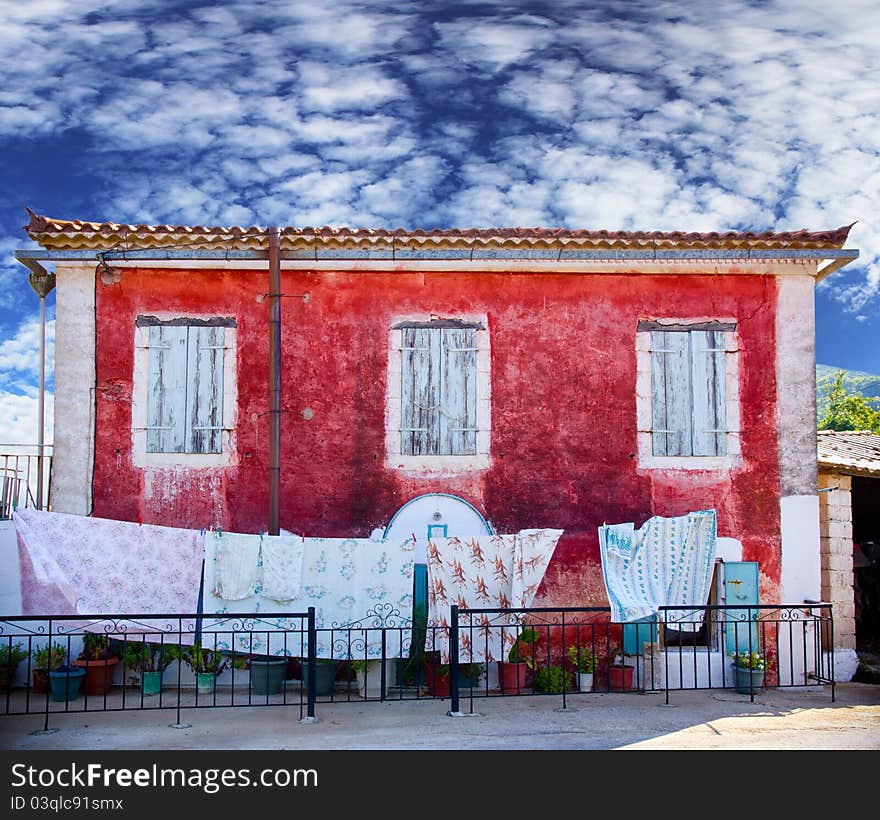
<point x="854" y="381"/>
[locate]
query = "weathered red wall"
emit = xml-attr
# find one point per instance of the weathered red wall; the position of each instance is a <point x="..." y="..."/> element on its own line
<point x="563" y="407"/>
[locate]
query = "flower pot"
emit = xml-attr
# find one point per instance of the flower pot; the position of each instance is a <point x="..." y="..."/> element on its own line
<point x="99" y="674"/>
<point x="205" y="682"/>
<point x="151" y="683"/>
<point x="437" y="680"/>
<point x="584" y="681"/>
<point x="513" y="677"/>
<point x="41" y="681"/>
<point x="7" y="673"/>
<point x="325" y="674"/>
<point x="267" y="675"/>
<point x="65" y="682"/>
<point x="469" y="675"/>
<point x="747" y="681"/>
<point x="620" y="677"/>
<point x="369" y="680"/>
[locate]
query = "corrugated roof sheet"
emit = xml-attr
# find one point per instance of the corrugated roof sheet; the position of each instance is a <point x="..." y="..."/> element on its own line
<point x="851" y="451"/>
<point x="79" y="235"/>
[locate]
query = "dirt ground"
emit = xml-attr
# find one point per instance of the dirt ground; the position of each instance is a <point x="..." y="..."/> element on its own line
<point x="778" y="719"/>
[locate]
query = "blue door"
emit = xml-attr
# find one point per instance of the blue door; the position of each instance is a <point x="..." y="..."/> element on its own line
<point x="741" y="588"/>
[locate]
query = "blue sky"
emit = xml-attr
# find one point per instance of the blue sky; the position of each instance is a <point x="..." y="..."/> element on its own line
<point x="617" y="115"/>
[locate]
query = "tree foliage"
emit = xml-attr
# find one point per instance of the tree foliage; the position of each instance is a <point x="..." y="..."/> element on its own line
<point x="848" y="411"/>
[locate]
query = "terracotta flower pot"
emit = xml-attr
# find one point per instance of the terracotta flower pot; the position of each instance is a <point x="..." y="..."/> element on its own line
<point x="513" y="677"/>
<point x="41" y="681"/>
<point x="437" y="680"/>
<point x="99" y="674"/>
<point x="620" y="677"/>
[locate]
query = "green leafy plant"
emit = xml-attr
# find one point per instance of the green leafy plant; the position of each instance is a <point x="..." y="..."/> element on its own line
<point x="11" y="655"/>
<point x="471" y="671"/>
<point x="552" y="679"/>
<point x="150" y="657"/>
<point x="201" y="660"/>
<point x="582" y="658"/>
<point x="522" y="650"/>
<point x="750" y="660"/>
<point x="96" y="647"/>
<point x="50" y="657"/>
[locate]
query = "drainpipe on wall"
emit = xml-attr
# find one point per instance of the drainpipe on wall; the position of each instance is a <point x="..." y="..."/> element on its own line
<point x="42" y="282"/>
<point x="274" y="380"/>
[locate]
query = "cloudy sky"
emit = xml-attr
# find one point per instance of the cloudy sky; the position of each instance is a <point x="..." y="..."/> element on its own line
<point x="617" y="115"/>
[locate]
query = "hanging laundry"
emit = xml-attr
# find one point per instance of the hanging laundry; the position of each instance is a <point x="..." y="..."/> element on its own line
<point x="666" y="562"/>
<point x="236" y="563"/>
<point x="353" y="584"/>
<point x="484" y="572"/>
<point x="282" y="566"/>
<point x="96" y="566"/>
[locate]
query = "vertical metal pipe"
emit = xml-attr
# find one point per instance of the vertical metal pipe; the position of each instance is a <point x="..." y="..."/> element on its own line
<point x="274" y="380"/>
<point x="453" y="659"/>
<point x="311" y="664"/>
<point x="40" y="402"/>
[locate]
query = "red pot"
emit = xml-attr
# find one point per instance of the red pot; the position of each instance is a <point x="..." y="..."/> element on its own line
<point x="620" y="678"/>
<point x="437" y="680"/>
<point x="99" y="675"/>
<point x="41" y="681"/>
<point x="512" y="677"/>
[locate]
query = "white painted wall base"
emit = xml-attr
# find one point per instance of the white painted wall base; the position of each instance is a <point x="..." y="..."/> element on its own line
<point x="846" y="662"/>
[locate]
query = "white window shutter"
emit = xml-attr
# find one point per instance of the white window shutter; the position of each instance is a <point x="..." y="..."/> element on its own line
<point x="204" y="407"/>
<point x="458" y="392"/>
<point x="166" y="389"/>
<point x="707" y="379"/>
<point x="420" y="391"/>
<point x="671" y="393"/>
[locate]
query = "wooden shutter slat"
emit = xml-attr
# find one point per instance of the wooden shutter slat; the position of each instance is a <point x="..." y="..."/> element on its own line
<point x="204" y="411"/>
<point x="166" y="389"/>
<point x="671" y="393"/>
<point x="707" y="379"/>
<point x="458" y="392"/>
<point x="420" y="394"/>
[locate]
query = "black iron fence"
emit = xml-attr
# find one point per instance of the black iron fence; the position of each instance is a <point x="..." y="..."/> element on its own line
<point x="181" y="662"/>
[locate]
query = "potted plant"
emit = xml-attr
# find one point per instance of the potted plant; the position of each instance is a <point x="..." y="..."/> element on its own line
<point x="748" y="670"/>
<point x="46" y="658"/>
<point x="149" y="660"/>
<point x="513" y="673"/>
<point x="436" y="675"/>
<point x="98" y="661"/>
<point x="469" y="675"/>
<point x="11" y="655"/>
<point x="620" y="674"/>
<point x="325" y="675"/>
<point x="65" y="681"/>
<point x="368" y="674"/>
<point x="552" y="680"/>
<point x="205" y="664"/>
<point x="267" y="674"/>
<point x="583" y="661"/>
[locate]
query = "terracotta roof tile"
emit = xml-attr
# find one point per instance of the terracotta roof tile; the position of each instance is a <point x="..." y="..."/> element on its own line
<point x="76" y="234"/>
<point x="851" y="451"/>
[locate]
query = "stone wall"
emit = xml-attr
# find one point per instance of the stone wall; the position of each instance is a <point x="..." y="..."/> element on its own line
<point x="835" y="528"/>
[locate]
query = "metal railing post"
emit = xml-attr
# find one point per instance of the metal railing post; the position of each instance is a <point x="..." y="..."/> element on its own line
<point x="311" y="667"/>
<point x="453" y="660"/>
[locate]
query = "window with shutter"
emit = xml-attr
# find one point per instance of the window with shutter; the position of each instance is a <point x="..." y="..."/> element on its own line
<point x="185" y="367"/>
<point x="438" y="390"/>
<point x="688" y="390"/>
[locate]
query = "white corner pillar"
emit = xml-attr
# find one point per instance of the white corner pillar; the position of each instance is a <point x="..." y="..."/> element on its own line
<point x="796" y="423"/>
<point x="74" y="426"/>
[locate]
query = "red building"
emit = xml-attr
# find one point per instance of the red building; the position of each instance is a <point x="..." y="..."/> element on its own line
<point x="548" y="378"/>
